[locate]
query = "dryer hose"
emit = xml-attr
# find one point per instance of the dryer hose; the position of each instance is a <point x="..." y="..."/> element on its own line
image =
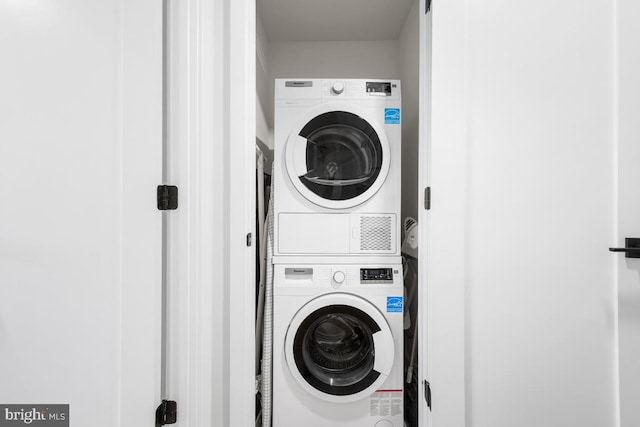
<point x="267" y="346"/>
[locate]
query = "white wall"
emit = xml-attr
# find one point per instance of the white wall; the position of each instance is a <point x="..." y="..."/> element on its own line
<point x="349" y="59"/>
<point x="408" y="64"/>
<point x="264" y="87"/>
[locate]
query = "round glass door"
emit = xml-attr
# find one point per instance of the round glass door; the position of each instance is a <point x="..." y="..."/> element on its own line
<point x="334" y="350"/>
<point x="337" y="351"/>
<point x="337" y="159"/>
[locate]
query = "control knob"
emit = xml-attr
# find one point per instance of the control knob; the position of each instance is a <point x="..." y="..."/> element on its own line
<point x="337" y="88"/>
<point x="338" y="277"/>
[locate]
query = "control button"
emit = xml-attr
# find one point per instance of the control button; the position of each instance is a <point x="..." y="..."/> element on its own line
<point x="338" y="277"/>
<point x="337" y="88"/>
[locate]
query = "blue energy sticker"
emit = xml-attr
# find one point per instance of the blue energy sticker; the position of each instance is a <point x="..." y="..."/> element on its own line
<point x="391" y="116"/>
<point x="394" y="304"/>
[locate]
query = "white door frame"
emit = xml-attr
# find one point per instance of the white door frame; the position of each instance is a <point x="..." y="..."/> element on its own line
<point x="211" y="158"/>
<point x="627" y="65"/>
<point x="240" y="136"/>
<point x="197" y="365"/>
<point x="240" y="202"/>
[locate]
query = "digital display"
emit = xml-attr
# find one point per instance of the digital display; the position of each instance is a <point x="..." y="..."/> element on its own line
<point x="379" y="88"/>
<point x="376" y="275"/>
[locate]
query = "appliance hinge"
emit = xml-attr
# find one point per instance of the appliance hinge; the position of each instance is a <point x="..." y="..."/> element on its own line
<point x="167" y="413"/>
<point x="427" y="198"/>
<point x="427" y="393"/>
<point x="167" y="197"/>
<point x="427" y="6"/>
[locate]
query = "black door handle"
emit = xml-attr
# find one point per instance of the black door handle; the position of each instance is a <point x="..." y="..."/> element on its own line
<point x="631" y="249"/>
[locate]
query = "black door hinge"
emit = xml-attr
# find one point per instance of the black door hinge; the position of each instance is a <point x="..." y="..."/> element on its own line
<point x="427" y="393"/>
<point x="167" y="413"/>
<point x="167" y="197"/>
<point x="427" y="6"/>
<point x="427" y="198"/>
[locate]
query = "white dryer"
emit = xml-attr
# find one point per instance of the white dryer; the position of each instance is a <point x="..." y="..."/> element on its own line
<point x="337" y="345"/>
<point x="337" y="167"/>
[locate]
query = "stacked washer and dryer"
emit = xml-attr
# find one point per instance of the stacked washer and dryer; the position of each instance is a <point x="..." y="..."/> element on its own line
<point x="338" y="283"/>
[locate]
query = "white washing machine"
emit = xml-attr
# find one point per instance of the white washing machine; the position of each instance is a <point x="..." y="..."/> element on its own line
<point x="338" y="345"/>
<point x="337" y="167"/>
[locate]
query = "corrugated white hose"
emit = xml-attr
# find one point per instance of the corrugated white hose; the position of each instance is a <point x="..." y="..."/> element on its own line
<point x="260" y="308"/>
<point x="262" y="256"/>
<point x="267" y="346"/>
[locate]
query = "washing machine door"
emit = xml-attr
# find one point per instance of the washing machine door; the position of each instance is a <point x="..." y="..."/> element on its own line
<point x="339" y="347"/>
<point x="337" y="156"/>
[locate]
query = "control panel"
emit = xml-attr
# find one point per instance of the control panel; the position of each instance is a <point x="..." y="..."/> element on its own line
<point x="290" y="92"/>
<point x="376" y="275"/>
<point x="338" y="276"/>
<point x="379" y="88"/>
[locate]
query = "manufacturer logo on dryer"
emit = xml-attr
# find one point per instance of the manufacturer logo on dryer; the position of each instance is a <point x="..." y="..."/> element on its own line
<point x="391" y="116"/>
<point x="394" y="304"/>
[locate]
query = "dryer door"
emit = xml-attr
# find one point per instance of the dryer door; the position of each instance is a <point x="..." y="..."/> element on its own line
<point x="339" y="347"/>
<point x="337" y="157"/>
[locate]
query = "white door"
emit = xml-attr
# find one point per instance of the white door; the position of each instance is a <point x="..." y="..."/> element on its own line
<point x="628" y="202"/>
<point x="521" y="302"/>
<point x="80" y="235"/>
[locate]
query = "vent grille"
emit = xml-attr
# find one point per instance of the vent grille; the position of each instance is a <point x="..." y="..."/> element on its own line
<point x="375" y="233"/>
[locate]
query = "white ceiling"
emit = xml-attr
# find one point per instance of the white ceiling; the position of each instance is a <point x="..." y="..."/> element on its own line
<point x="333" y="20"/>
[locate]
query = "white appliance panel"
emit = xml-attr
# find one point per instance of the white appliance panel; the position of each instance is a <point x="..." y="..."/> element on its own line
<point x="318" y="234"/>
<point x="314" y="233"/>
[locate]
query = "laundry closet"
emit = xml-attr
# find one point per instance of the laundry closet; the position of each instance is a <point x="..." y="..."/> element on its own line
<point x="373" y="47"/>
<point x="527" y="138"/>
